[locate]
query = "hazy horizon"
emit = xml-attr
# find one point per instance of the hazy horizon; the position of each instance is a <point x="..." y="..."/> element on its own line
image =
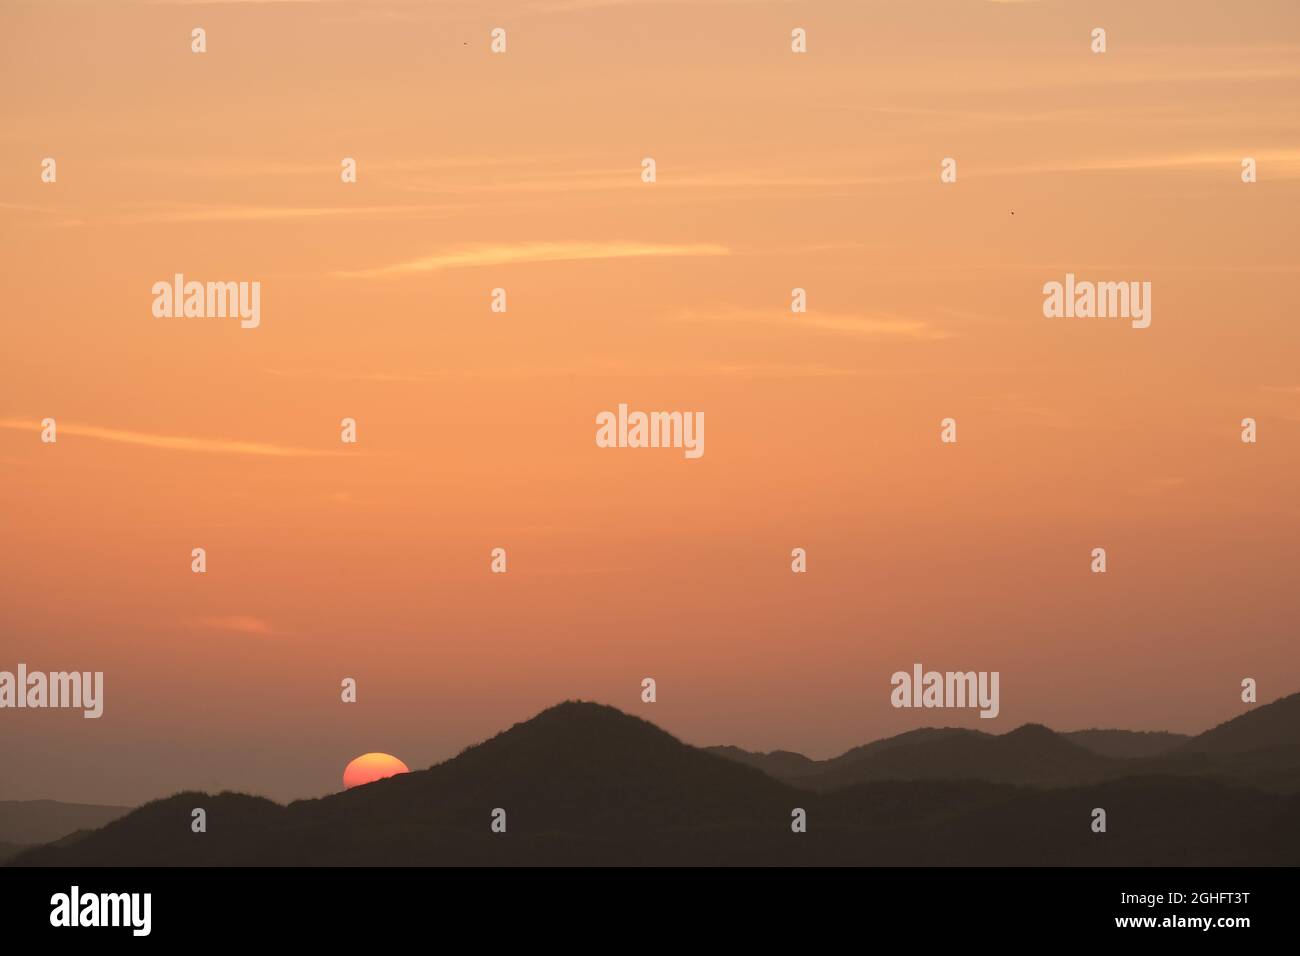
<point x="704" y="745"/>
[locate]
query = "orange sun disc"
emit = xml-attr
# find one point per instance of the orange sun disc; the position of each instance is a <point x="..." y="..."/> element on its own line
<point x="371" y="767"/>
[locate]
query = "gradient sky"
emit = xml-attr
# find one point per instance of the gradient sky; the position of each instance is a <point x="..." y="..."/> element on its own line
<point x="477" y="429"/>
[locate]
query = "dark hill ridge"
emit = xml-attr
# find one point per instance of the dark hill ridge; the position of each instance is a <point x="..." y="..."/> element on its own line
<point x="1274" y="726"/>
<point x="782" y="764"/>
<point x="575" y="764"/>
<point x="43" y="821"/>
<point x="579" y="782"/>
<point x="1030" y="754"/>
<point x="585" y="783"/>
<point x="1260" y="748"/>
<point x="918" y="736"/>
<point x="1126" y="744"/>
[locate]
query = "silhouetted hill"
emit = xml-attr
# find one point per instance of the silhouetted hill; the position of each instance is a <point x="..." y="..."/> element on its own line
<point x="1261" y="748"/>
<point x="584" y="777"/>
<point x="795" y="767"/>
<point x="584" y="783"/>
<point x="1126" y="744"/>
<point x="159" y="832"/>
<point x="782" y="764"/>
<point x="575" y="764"/>
<point x="31" y="822"/>
<point x="1031" y="754"/>
<point x="1274" y="726"/>
<point x="922" y="735"/>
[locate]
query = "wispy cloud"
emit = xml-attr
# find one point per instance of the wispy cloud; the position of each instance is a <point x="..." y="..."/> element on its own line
<point x="1283" y="161"/>
<point x="559" y="6"/>
<point x="784" y="370"/>
<point x="237" y="623"/>
<point x="531" y="252"/>
<point x="235" y="167"/>
<point x="210" y="3"/>
<point x="169" y="442"/>
<point x="597" y="370"/>
<point x="593" y="370"/>
<point x="1016" y="406"/>
<point x="876" y="326"/>
<point x="1157" y="485"/>
<point x="870" y="326"/>
<point x="42" y="211"/>
<point x="186" y="212"/>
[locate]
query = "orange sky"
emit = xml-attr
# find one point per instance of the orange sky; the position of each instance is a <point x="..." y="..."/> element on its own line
<point x="476" y="429"/>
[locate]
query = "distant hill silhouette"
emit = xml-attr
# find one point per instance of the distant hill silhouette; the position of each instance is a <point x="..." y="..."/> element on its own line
<point x="782" y="764"/>
<point x="32" y="822"/>
<point x="583" y="783"/>
<point x="1274" y="726"/>
<point x="1260" y="748"/>
<point x="1126" y="744"/>
<point x="1031" y="754"/>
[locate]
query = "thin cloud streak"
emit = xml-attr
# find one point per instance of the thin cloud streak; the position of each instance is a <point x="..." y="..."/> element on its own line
<point x="236" y="168"/>
<point x="711" y="370"/>
<point x="524" y="253"/>
<point x="168" y="442"/>
<point x="722" y="185"/>
<point x="220" y="3"/>
<point x="869" y="326"/>
<point x="237" y="623"/>
<point x="269" y="213"/>
<point x="1287" y="161"/>
<point x="565" y="6"/>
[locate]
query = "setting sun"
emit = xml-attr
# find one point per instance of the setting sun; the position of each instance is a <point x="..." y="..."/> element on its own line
<point x="371" y="767"/>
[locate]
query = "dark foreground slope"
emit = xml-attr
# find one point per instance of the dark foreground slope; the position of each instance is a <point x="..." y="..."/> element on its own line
<point x="583" y="783"/>
<point x="25" y="823"/>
